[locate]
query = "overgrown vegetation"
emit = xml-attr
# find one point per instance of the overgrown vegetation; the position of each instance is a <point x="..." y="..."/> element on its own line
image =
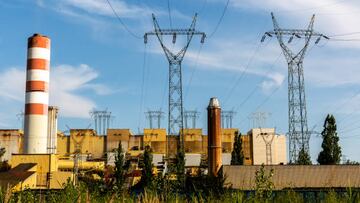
<point x="111" y="187"/>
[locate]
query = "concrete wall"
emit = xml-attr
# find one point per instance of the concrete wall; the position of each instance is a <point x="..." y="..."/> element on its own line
<point x="11" y="140"/>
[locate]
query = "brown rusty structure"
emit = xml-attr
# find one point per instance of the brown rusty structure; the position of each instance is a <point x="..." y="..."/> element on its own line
<point x="214" y="137"/>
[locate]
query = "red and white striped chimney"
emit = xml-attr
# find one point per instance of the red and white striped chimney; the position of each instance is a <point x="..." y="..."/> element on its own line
<point x="37" y="95"/>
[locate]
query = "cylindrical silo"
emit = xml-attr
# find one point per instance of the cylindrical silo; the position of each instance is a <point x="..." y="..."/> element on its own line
<point x="214" y="137"/>
<point x="37" y="95"/>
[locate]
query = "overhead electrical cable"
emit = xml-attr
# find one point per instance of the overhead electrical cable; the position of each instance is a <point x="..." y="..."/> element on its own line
<point x="242" y="73"/>
<point x="344" y="34"/>
<point x="142" y="86"/>
<point x="261" y="81"/>
<point x="220" y="19"/>
<point x="122" y="22"/>
<point x="169" y="11"/>
<point x="193" y="71"/>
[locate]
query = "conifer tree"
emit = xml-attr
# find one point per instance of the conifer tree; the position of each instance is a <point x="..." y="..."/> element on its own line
<point x="303" y="158"/>
<point x="237" y="155"/>
<point x="120" y="169"/>
<point x="331" y="151"/>
<point x="147" y="177"/>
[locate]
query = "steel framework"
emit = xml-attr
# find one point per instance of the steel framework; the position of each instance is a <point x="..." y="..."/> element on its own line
<point x="192" y="116"/>
<point x="175" y="114"/>
<point x="101" y="121"/>
<point x="299" y="135"/>
<point x="227" y="118"/>
<point x="154" y="115"/>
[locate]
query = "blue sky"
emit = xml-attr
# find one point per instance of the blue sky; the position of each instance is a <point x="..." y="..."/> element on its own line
<point x="97" y="64"/>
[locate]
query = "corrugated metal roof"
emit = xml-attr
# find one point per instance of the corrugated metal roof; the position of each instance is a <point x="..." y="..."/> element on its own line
<point x="297" y="176"/>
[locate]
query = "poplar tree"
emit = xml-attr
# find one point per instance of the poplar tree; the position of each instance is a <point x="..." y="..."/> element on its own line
<point x="237" y="155"/>
<point x="331" y="151"/>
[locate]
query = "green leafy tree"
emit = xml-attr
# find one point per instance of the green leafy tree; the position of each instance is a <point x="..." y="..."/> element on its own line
<point x="120" y="169"/>
<point x="147" y="176"/>
<point x="237" y="155"/>
<point x="263" y="184"/>
<point x="331" y="150"/>
<point x="303" y="158"/>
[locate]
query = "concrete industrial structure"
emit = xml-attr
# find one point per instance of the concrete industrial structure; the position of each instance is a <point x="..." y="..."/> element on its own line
<point x="268" y="147"/>
<point x="95" y="147"/>
<point x="33" y="161"/>
<point x="37" y="95"/>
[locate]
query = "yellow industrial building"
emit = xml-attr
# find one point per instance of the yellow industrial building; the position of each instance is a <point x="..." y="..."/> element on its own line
<point x="94" y="147"/>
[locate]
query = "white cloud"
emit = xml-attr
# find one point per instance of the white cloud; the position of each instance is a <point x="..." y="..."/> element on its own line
<point x="66" y="82"/>
<point x="332" y="17"/>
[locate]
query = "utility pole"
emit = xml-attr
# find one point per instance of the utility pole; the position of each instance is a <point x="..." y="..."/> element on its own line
<point x="175" y="114"/>
<point x="191" y="116"/>
<point x="299" y="135"/>
<point x="154" y="116"/>
<point x="227" y="119"/>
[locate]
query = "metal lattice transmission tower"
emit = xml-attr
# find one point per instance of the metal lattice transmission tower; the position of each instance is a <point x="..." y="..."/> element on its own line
<point x="227" y="119"/>
<point x="154" y="117"/>
<point x="101" y="121"/>
<point x="299" y="135"/>
<point x="190" y="117"/>
<point x="259" y="119"/>
<point x="175" y="116"/>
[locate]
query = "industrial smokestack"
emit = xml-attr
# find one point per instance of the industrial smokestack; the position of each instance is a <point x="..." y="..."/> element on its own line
<point x="37" y="96"/>
<point x="214" y="137"/>
<point x="52" y="130"/>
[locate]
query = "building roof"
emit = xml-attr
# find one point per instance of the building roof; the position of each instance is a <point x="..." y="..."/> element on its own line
<point x="297" y="176"/>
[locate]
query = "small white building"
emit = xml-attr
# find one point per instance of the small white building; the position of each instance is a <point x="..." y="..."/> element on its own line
<point x="268" y="147"/>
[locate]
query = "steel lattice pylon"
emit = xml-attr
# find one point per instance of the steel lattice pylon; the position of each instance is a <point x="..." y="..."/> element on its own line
<point x="175" y="117"/>
<point x="299" y="135"/>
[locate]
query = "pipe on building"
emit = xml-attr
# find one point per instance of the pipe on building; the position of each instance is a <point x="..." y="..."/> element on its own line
<point x="214" y="137"/>
<point x="52" y="129"/>
<point x="37" y="95"/>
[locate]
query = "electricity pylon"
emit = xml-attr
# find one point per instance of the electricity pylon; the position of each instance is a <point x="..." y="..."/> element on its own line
<point x="299" y="135"/>
<point x="175" y="117"/>
<point x="154" y="115"/>
<point x="192" y="116"/>
<point x="227" y="118"/>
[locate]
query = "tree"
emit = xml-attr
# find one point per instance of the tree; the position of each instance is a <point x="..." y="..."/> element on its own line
<point x="180" y="167"/>
<point x="263" y="183"/>
<point x="237" y="155"/>
<point x="147" y="177"/>
<point x="331" y="151"/>
<point x="303" y="158"/>
<point x="120" y="168"/>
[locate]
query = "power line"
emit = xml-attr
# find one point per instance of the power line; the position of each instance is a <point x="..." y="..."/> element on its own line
<point x="220" y="20"/>
<point x="344" y="34"/>
<point x="169" y="11"/>
<point x="193" y="71"/>
<point x="257" y="86"/>
<point x="242" y="73"/>
<point x="264" y="101"/>
<point x="142" y="86"/>
<point x="122" y="22"/>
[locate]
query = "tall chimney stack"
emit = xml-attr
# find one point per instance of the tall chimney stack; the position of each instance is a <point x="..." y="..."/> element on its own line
<point x="37" y="95"/>
<point x="214" y="136"/>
